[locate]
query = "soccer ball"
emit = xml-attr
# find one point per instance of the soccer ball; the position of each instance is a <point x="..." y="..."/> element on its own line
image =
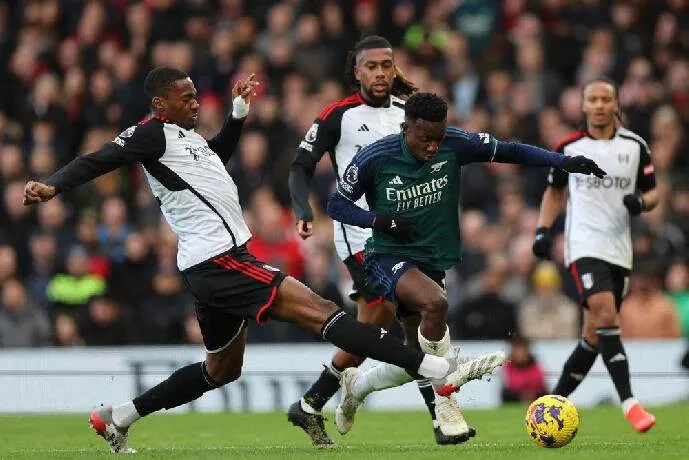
<point x="552" y="421"/>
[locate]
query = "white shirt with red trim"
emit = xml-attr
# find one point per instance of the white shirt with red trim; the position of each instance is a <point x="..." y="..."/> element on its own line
<point x="597" y="223"/>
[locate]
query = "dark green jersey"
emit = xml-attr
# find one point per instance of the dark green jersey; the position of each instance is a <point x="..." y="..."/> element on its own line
<point x="426" y="192"/>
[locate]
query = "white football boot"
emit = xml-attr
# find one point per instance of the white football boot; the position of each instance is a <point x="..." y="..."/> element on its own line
<point x="450" y="419"/>
<point x="116" y="437"/>
<point x="467" y="370"/>
<point x="344" y="414"/>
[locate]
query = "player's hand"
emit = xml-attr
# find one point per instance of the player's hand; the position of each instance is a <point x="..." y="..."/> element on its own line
<point x="245" y="88"/>
<point x="543" y="243"/>
<point x="634" y="203"/>
<point x="401" y="229"/>
<point x="35" y="192"/>
<point x="582" y="165"/>
<point x="305" y="229"/>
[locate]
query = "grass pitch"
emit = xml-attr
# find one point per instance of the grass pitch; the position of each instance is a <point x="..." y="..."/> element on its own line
<point x="603" y="434"/>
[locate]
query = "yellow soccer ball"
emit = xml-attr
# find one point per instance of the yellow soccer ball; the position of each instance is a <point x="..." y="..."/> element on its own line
<point x="552" y="421"/>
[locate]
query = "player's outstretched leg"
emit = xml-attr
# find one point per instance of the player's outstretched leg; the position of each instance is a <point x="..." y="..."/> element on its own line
<point x="295" y="303"/>
<point x="306" y="413"/>
<point x="223" y="365"/>
<point x="604" y="317"/>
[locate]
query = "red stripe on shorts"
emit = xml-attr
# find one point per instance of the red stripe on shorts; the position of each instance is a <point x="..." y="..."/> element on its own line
<point x="255" y="268"/>
<point x="232" y="264"/>
<point x="577" y="280"/>
<point x="267" y="305"/>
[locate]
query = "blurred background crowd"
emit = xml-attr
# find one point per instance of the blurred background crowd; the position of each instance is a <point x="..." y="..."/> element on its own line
<point x="97" y="266"/>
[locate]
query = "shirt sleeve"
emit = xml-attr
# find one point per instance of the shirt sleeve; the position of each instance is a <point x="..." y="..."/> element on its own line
<point x="322" y="137"/>
<point x="360" y="175"/>
<point x="225" y="142"/>
<point x="471" y="147"/>
<point x="138" y="143"/>
<point x="646" y="176"/>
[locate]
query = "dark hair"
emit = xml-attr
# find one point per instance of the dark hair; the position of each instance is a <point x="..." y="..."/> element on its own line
<point x="616" y="92"/>
<point x="425" y="106"/>
<point x="159" y="81"/>
<point x="400" y="86"/>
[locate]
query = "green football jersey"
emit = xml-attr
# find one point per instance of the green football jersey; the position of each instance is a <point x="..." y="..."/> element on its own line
<point x="426" y="192"/>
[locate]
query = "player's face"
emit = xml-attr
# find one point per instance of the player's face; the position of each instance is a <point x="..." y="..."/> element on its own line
<point x="182" y="107"/>
<point x="600" y="104"/>
<point x="375" y="71"/>
<point x="423" y="138"/>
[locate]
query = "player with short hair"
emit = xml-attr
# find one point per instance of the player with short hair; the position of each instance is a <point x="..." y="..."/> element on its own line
<point x="374" y="110"/>
<point x="199" y="200"/>
<point x="411" y="184"/>
<point x="598" y="245"/>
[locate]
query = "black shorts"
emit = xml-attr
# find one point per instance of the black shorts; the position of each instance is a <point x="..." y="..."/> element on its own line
<point x="355" y="266"/>
<point x="593" y="275"/>
<point x="230" y="289"/>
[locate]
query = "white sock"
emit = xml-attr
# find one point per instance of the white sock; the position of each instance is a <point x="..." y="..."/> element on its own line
<point x="434" y="367"/>
<point x="442" y="347"/>
<point x="627" y="404"/>
<point x="124" y="415"/>
<point x="306" y="407"/>
<point x="379" y="378"/>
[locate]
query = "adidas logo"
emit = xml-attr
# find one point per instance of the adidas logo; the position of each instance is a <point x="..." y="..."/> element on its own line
<point x="396" y="181"/>
<point x="363" y="128"/>
<point x="397" y="267"/>
<point x="181" y="135"/>
<point x="618" y="357"/>
<point x="393" y="224"/>
<point x="382" y="333"/>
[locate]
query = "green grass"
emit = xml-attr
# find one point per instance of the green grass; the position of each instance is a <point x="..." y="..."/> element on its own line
<point x="604" y="434"/>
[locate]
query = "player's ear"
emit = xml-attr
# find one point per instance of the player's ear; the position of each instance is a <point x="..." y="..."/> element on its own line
<point x="157" y="104"/>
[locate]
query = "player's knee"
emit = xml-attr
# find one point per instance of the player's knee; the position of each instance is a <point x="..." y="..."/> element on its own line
<point x="435" y="304"/>
<point x="605" y="316"/>
<point x="589" y="334"/>
<point x="225" y="374"/>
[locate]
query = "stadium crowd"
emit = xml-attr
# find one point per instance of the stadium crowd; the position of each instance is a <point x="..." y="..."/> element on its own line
<point x="97" y="266"/>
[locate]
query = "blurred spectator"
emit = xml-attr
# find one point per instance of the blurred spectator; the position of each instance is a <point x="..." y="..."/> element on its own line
<point x="548" y="314"/>
<point x="646" y="312"/>
<point x="161" y="318"/>
<point x="677" y="285"/>
<point x="130" y="281"/>
<point x="103" y="323"/>
<point x="44" y="260"/>
<point x="70" y="290"/>
<point x="8" y="263"/>
<point x="67" y="332"/>
<point x="488" y="316"/>
<point x="523" y="376"/>
<point x="275" y="239"/>
<point x="113" y="232"/>
<point x="22" y="324"/>
<point x="318" y="276"/>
